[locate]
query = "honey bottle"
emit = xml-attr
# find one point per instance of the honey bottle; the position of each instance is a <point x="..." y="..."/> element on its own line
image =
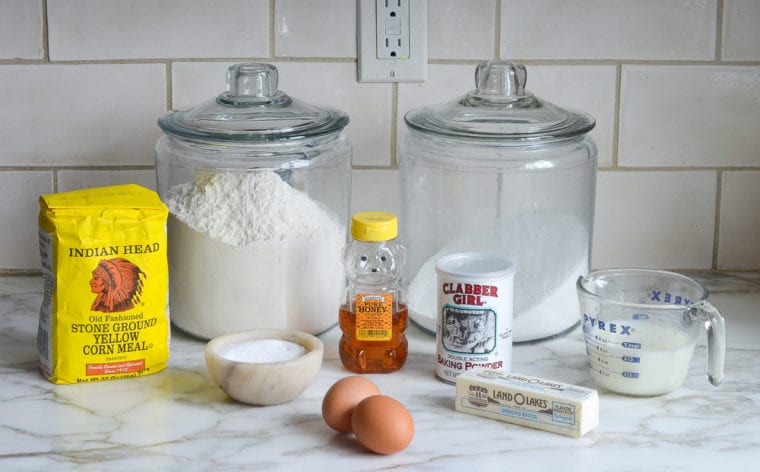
<point x="373" y="315"/>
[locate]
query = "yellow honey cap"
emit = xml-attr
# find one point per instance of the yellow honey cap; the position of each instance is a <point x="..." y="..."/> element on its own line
<point x="374" y="226"/>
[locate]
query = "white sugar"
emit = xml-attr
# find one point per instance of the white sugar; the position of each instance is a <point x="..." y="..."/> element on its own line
<point x="550" y="249"/>
<point x="263" y="350"/>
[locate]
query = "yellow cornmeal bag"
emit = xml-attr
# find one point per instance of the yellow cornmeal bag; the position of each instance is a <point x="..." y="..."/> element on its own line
<point x="104" y="266"/>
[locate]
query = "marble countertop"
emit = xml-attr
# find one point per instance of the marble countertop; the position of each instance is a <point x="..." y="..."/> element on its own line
<point x="179" y="420"/>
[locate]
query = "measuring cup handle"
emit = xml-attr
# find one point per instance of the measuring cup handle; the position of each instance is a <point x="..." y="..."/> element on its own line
<point x="716" y="341"/>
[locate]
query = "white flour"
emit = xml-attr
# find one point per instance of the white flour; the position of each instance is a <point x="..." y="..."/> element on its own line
<point x="248" y="251"/>
<point x="550" y="250"/>
<point x="240" y="208"/>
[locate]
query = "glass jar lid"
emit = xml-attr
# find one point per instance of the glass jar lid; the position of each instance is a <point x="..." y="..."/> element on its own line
<point x="499" y="109"/>
<point x="253" y="110"/>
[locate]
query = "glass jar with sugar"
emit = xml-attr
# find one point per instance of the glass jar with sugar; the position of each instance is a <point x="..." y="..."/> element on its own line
<point x="501" y="171"/>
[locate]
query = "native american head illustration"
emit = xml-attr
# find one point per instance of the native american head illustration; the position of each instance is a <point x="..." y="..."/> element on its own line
<point x="118" y="284"/>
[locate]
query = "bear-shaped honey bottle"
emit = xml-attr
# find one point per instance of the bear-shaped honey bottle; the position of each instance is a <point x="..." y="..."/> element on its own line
<point x="373" y="316"/>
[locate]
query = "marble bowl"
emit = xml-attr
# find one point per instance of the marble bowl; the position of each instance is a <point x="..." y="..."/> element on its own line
<point x="264" y="382"/>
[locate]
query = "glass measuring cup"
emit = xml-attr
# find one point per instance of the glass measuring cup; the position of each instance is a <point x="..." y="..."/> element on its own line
<point x="641" y="326"/>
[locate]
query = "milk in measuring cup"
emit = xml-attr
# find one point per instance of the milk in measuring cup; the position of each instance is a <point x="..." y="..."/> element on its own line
<point x="643" y="359"/>
<point x="641" y="326"/>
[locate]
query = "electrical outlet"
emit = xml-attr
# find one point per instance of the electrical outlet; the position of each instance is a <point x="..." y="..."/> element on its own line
<point x="392" y="40"/>
<point x="392" y="27"/>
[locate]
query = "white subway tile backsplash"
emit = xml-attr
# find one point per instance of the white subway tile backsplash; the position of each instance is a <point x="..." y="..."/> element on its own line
<point x="739" y="237"/>
<point x="330" y="84"/>
<point x="89" y="114"/>
<point x="675" y="95"/>
<point x="375" y="190"/>
<point x="140" y="29"/>
<point x="21" y="29"/>
<point x="315" y="29"/>
<point x="655" y="219"/>
<point x="586" y="88"/>
<point x="78" y="179"/>
<point x="689" y="116"/>
<point x="196" y="82"/>
<point x="461" y="30"/>
<point x="18" y="234"/>
<point x="590" y="89"/>
<point x="444" y="83"/>
<point x="608" y="29"/>
<point x="368" y="104"/>
<point x="741" y="30"/>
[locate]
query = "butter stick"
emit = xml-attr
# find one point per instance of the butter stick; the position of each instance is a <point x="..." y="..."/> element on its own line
<point x="528" y="401"/>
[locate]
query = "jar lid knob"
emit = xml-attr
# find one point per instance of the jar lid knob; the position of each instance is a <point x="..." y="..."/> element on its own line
<point x="501" y="78"/>
<point x="252" y="79"/>
<point x="253" y="110"/>
<point x="499" y="109"/>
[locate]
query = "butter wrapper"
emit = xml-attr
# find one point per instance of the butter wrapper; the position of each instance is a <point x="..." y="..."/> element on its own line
<point x="528" y="401"/>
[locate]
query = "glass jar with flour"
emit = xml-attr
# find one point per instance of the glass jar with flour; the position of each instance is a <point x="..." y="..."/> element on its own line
<point x="500" y="171"/>
<point x="257" y="184"/>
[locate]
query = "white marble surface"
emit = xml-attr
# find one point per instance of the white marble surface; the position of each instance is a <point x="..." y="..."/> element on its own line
<point x="179" y="419"/>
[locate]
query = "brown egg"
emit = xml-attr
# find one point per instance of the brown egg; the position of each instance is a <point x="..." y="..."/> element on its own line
<point x="382" y="424"/>
<point x="340" y="400"/>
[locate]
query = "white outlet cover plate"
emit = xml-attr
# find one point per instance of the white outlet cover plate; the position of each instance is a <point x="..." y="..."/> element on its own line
<point x="373" y="69"/>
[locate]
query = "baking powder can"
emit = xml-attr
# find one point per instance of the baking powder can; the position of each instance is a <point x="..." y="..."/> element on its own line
<point x="475" y="303"/>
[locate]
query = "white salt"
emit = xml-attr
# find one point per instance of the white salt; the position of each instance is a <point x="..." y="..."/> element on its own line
<point x="263" y="350"/>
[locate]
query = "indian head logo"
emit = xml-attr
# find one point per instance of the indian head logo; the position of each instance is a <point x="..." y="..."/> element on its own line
<point x="118" y="284"/>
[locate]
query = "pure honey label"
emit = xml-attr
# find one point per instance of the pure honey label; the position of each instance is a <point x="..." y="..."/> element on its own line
<point x="104" y="265"/>
<point x="374" y="316"/>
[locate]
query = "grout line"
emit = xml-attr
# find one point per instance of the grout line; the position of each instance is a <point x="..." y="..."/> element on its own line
<point x="716" y="230"/>
<point x="677" y="168"/>
<point x="145" y="60"/>
<point x="54" y="168"/>
<point x="719" y="31"/>
<point x="497" y="31"/>
<point x="326" y="60"/>
<point x="31" y="168"/>
<point x="394" y="126"/>
<point x="20" y="272"/>
<point x="271" y="24"/>
<point x="364" y="167"/>
<point x="527" y="62"/>
<point x="45" y="33"/>
<point x="605" y="62"/>
<point x="169" y="77"/>
<point x="616" y="118"/>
